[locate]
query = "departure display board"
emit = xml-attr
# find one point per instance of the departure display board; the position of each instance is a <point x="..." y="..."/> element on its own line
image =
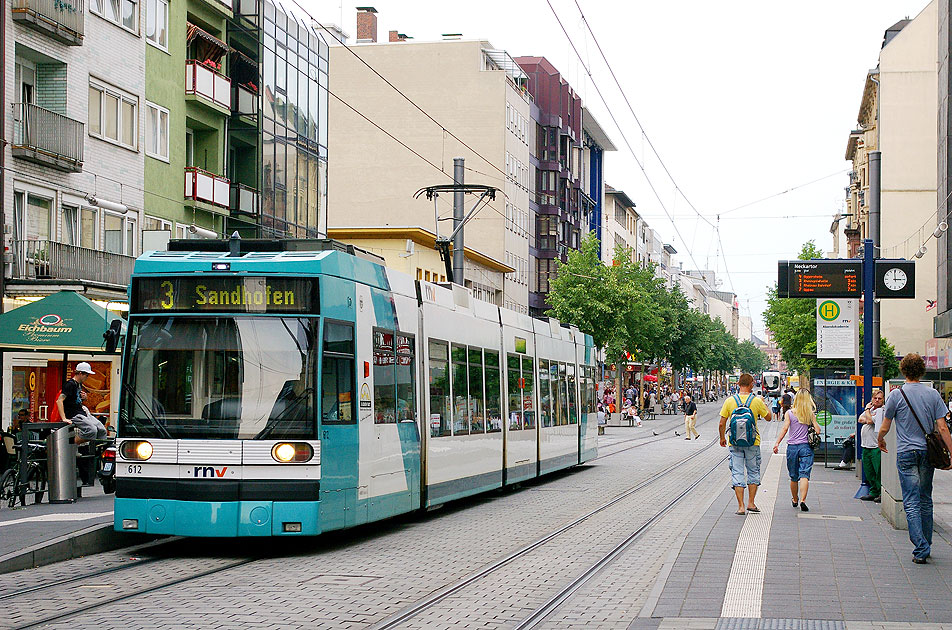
<point x="823" y="278"/>
<point x="225" y="294"/>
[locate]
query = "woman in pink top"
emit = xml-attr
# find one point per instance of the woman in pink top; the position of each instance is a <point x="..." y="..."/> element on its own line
<point x="797" y="420"/>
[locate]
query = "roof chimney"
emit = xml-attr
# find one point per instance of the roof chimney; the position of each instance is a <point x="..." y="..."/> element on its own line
<point x="396" y="36"/>
<point x="452" y="36"/>
<point x="366" y="25"/>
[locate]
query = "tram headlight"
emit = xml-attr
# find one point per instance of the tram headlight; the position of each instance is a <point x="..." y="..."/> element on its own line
<point x="292" y="452"/>
<point x="136" y="450"/>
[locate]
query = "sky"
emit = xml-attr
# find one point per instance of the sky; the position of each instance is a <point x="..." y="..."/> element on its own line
<point x="742" y="101"/>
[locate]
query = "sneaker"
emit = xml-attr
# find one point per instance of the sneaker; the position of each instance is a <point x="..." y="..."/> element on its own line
<point x="868" y="497"/>
<point x="803" y="507"/>
<point x="924" y="560"/>
<point x="878" y="500"/>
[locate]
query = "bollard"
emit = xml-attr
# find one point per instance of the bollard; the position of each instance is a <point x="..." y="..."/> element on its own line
<point x="61" y="465"/>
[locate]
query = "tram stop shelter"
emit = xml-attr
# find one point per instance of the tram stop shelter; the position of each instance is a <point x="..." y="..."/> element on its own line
<point x="41" y="343"/>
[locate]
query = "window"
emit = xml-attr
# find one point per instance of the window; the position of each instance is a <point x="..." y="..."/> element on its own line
<point x="514" y="380"/>
<point x="477" y="403"/>
<point x="112" y="116"/>
<point x="460" y="389"/>
<point x="528" y="403"/>
<point x="545" y="396"/>
<point x="406" y="382"/>
<point x="384" y="379"/>
<point x="119" y="233"/>
<point x="573" y="402"/>
<point x="439" y="389"/>
<point x="157" y="132"/>
<point x="557" y="380"/>
<point x="157" y="23"/>
<point x="121" y="12"/>
<point x="337" y="381"/>
<point x="38" y="215"/>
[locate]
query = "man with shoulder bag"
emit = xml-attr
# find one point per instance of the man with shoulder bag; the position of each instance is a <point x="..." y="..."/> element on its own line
<point x="922" y="445"/>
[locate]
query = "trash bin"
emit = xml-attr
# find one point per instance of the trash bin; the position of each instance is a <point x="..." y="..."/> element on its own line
<point x="61" y="465"/>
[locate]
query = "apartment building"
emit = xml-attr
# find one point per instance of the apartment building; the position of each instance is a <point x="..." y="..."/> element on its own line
<point x="74" y="151"/>
<point x="620" y="225"/>
<point x="475" y="91"/>
<point x="568" y="163"/>
<point x="244" y="145"/>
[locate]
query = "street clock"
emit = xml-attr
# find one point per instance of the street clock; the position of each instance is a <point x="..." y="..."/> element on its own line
<point x="895" y="279"/>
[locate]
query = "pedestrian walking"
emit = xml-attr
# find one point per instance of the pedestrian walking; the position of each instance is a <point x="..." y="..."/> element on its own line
<point x="797" y="420"/>
<point x="690" y="419"/>
<point x="872" y="421"/>
<point x="70" y="406"/>
<point x="600" y="415"/>
<point x="740" y="413"/>
<point x="916" y="409"/>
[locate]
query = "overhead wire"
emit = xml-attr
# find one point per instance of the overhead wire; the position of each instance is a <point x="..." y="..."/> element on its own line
<point x="621" y="131"/>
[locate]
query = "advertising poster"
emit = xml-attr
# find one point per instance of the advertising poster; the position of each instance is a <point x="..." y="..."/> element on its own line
<point x="836" y="408"/>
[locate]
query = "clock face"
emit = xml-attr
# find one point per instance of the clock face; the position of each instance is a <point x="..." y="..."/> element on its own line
<point x="895" y="279"/>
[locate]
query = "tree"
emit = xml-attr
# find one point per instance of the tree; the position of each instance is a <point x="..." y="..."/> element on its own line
<point x="750" y="358"/>
<point x="690" y="338"/>
<point x="793" y="320"/>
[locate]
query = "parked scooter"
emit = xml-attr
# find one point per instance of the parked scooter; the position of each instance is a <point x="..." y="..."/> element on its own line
<point x="106" y="468"/>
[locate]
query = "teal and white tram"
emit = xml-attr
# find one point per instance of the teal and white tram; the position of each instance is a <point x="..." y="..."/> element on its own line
<point x="296" y="387"/>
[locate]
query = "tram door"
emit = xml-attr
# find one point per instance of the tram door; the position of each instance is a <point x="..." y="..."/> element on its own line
<point x="338" y="426"/>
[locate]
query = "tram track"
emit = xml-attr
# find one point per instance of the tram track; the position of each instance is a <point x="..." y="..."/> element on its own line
<point x="646" y="440"/>
<point x="443" y="594"/>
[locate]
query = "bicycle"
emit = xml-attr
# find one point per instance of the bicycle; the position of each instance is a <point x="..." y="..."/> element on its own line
<point x="10" y="484"/>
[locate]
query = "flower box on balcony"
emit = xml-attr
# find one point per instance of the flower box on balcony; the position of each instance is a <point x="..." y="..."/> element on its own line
<point x="204" y="81"/>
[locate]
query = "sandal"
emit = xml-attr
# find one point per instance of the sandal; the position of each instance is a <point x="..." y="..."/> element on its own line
<point x="740" y="513"/>
<point x="755" y="510"/>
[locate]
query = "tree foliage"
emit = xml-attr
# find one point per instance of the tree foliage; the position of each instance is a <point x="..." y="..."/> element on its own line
<point x="750" y="358"/>
<point x="629" y="311"/>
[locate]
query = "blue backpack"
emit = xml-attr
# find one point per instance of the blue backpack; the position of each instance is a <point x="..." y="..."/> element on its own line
<point x="743" y="423"/>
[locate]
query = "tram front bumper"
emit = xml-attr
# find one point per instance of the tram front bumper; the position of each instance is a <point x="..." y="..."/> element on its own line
<point x="222" y="519"/>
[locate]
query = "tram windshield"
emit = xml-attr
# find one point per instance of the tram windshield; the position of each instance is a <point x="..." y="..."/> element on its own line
<point x="220" y="377"/>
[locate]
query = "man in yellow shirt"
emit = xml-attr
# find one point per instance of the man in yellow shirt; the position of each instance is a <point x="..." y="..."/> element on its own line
<point x="743" y="458"/>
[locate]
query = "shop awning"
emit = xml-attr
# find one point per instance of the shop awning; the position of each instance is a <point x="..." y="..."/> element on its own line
<point x="61" y="322"/>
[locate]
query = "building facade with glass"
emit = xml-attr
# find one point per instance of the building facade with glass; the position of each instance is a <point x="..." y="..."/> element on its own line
<point x="244" y="146"/>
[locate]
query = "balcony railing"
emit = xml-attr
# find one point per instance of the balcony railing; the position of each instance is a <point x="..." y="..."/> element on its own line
<point x="204" y="186"/>
<point x="211" y="84"/>
<point x="244" y="101"/>
<point x="60" y="19"/>
<point x="244" y="199"/>
<point x="47" y="138"/>
<point x="38" y="260"/>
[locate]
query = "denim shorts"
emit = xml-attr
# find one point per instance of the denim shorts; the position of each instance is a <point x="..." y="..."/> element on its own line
<point x="745" y="459"/>
<point x="799" y="461"/>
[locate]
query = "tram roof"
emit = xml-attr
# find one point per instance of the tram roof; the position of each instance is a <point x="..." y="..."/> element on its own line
<point x="289" y="256"/>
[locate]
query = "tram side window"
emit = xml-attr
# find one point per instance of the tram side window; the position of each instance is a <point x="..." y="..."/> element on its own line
<point x="528" y="402"/>
<point x="514" y="382"/>
<point x="460" y="389"/>
<point x="493" y="393"/>
<point x="558" y="394"/>
<point x="406" y="390"/>
<point x="592" y="402"/>
<point x="477" y="403"/>
<point x="573" y="403"/>
<point x="545" y="395"/>
<point x="440" y="423"/>
<point x="337" y="374"/>
<point x="384" y="379"/>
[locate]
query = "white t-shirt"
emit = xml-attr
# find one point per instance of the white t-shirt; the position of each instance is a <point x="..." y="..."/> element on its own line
<point x="869" y="435"/>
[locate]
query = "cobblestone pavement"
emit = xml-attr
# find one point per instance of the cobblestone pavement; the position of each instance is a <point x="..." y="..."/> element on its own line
<point x="354" y="578"/>
<point x="824" y="570"/>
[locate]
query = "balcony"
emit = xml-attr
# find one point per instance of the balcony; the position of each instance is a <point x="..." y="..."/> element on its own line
<point x="244" y="101"/>
<point x="60" y="19"/>
<point x="244" y="199"/>
<point x="47" y="138"/>
<point x="211" y="85"/>
<point x="49" y="260"/>
<point x="204" y="186"/>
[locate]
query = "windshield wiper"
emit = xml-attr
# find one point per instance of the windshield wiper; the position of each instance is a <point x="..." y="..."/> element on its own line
<point x="273" y="423"/>
<point x="151" y="418"/>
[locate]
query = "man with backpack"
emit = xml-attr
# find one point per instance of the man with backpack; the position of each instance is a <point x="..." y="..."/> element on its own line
<point x="738" y="427"/>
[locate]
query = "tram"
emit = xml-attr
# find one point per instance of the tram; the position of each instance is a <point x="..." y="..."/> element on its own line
<point x="289" y="388"/>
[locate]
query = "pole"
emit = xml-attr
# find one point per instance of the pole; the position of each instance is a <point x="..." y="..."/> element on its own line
<point x="869" y="276"/>
<point x="459" y="211"/>
<point x="875" y="188"/>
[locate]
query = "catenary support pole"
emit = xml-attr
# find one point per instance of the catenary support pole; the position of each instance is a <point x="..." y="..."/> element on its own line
<point x="869" y="275"/>
<point x="875" y="197"/>
<point x="459" y="212"/>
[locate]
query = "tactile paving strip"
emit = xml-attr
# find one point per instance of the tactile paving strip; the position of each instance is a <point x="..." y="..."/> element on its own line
<point x="745" y="623"/>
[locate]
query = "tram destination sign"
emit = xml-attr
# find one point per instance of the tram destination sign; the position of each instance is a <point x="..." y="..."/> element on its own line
<point x="225" y="294"/>
<point x="820" y="279"/>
